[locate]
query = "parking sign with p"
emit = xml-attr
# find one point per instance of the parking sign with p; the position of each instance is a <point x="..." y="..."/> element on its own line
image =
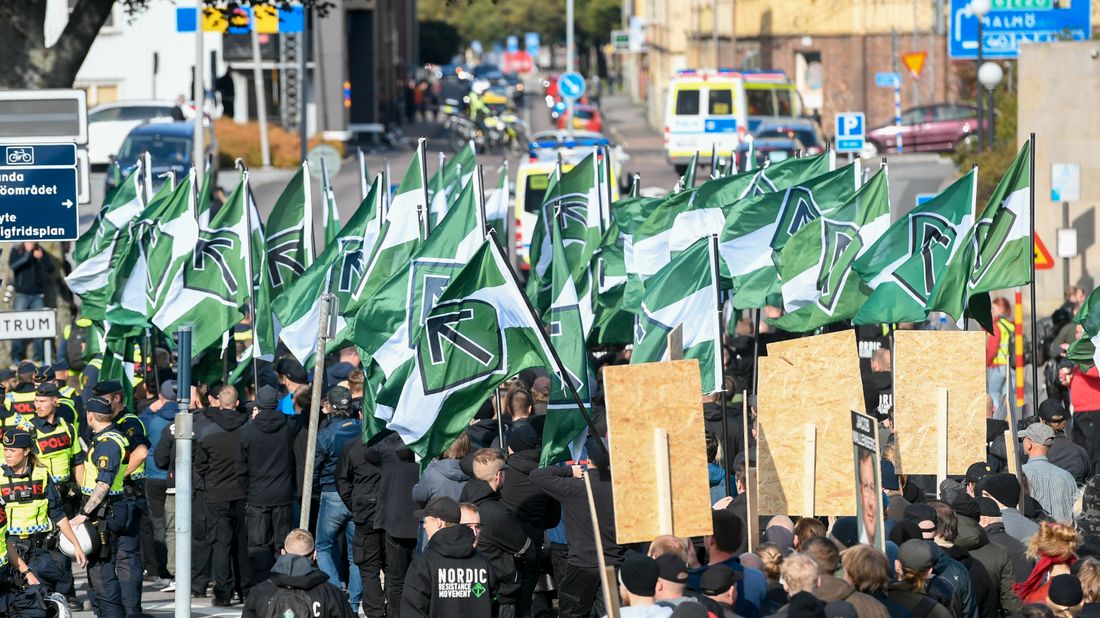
<point x="850" y="129"/>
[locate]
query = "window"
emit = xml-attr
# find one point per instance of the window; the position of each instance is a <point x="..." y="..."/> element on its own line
<point x="720" y="102"/>
<point x="163" y="150"/>
<point x="535" y="191"/>
<point x="913" y="116"/>
<point x="955" y="112"/>
<point x="783" y="103"/>
<point x="687" y="103"/>
<point x="760" y="102"/>
<point x="110" y="114"/>
<point x="145" y="112"/>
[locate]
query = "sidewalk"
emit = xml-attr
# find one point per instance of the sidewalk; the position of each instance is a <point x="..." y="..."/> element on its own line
<point x="625" y="122"/>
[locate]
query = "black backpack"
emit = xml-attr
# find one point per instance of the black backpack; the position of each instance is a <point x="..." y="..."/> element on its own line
<point x="291" y="603"/>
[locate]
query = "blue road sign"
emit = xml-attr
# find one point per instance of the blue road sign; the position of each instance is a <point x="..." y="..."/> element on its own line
<point x="531" y="43"/>
<point x="38" y="192"/>
<point x="850" y="131"/>
<point x="512" y="43"/>
<point x="571" y="85"/>
<point x="887" y="79"/>
<point x="924" y="197"/>
<point x="1015" y="22"/>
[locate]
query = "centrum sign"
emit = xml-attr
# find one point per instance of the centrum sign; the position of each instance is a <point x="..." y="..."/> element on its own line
<point x="38" y="324"/>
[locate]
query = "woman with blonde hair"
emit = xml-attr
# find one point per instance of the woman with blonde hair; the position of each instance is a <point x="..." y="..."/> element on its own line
<point x="1088" y="572"/>
<point x="1054" y="549"/>
<point x="771" y="558"/>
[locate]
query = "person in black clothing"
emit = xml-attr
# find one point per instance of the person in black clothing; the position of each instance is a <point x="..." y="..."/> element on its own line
<point x="450" y="579"/>
<point x="216" y="446"/>
<point x="394" y="517"/>
<point x="31" y="269"/>
<point x="357" y="482"/>
<point x="731" y="435"/>
<point x="266" y="471"/>
<point x="503" y="539"/>
<point x="294" y="576"/>
<point x="536" y="511"/>
<point x="579" y="589"/>
<point x="1064" y="452"/>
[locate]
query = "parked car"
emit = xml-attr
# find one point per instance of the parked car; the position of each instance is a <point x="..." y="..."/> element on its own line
<point x="942" y="127"/>
<point x="169" y="146"/>
<point x="804" y="130"/>
<point x="586" y="117"/>
<point x="772" y="149"/>
<point x="110" y="123"/>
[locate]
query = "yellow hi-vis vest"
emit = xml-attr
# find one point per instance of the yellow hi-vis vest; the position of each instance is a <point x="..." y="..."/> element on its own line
<point x="26" y="501"/>
<point x="91" y="470"/>
<point x="56" y="447"/>
<point x="1007" y="330"/>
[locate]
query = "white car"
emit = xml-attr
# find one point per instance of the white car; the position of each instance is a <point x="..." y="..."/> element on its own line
<point x="110" y="123"/>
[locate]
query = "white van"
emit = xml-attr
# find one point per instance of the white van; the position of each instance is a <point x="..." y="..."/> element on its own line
<point x="705" y="107"/>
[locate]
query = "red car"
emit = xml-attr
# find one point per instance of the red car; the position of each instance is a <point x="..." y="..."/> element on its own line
<point x="586" y="117"/>
<point x="931" y="128"/>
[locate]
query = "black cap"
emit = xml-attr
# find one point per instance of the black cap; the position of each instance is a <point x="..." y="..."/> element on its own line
<point x="441" y="507"/>
<point x="524" y="438"/>
<point x="26" y="367"/>
<point x="915" y="555"/>
<point x="290" y="367"/>
<point x="717" y="580"/>
<point x="978" y="471"/>
<point x="267" y="398"/>
<point x="107" y="387"/>
<point x="1052" y="411"/>
<point x="1004" y="488"/>
<point x="965" y="506"/>
<point x="98" y="405"/>
<point x="47" y="389"/>
<point x="671" y="567"/>
<point x="639" y="573"/>
<point x="339" y="372"/>
<point x="805" y="605"/>
<point x="45" y="374"/>
<point x="1065" y="590"/>
<point x="18" y="438"/>
<point x="846" y="531"/>
<point x="988" y="508"/>
<point x="690" y="609"/>
<point x="7" y="373"/>
<point x="339" y="397"/>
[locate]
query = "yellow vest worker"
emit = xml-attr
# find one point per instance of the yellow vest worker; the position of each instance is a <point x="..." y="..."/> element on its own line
<point x="58" y="445"/>
<point x="21" y="397"/>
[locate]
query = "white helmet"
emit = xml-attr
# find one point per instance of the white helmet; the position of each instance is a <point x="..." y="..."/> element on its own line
<point x="60" y="607"/>
<point x="89" y="541"/>
<point x="480" y="86"/>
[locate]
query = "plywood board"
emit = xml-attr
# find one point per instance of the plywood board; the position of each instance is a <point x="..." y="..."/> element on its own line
<point x="641" y="398"/>
<point x="924" y="362"/>
<point x="811" y="380"/>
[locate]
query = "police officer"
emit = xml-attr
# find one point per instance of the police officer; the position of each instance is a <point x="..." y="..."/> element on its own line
<point x="10" y="419"/>
<point x="21" y="398"/>
<point x="67" y="397"/>
<point x="129" y="565"/>
<point x="34" y="511"/>
<point x="101" y="483"/>
<point x="58" y="444"/>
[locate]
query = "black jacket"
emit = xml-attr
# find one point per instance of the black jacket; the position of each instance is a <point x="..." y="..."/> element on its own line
<point x="399" y="473"/>
<point x="981" y="583"/>
<point x="165" y="453"/>
<point x="450" y="579"/>
<point x="265" y="461"/>
<point x="292" y="571"/>
<point x="357" y="483"/>
<point x="559" y="484"/>
<point x="216" y="445"/>
<point x="537" y="511"/>
<point x="503" y="539"/>
<point x="1070" y="457"/>
<point x="1017" y="551"/>
<point x="712" y="422"/>
<point x="31" y="274"/>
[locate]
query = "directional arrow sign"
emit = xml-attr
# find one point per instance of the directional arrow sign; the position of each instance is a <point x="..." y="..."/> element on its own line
<point x="461" y="343"/>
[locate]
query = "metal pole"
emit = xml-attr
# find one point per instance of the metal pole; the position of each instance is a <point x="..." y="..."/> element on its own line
<point x="992" y="120"/>
<point x="323" y="334"/>
<point x="714" y="31"/>
<point x="1034" y="307"/>
<point x="250" y="265"/>
<point x="183" y="477"/>
<point x="303" y="130"/>
<point x="981" y="131"/>
<point x="500" y="422"/>
<point x="570" y="62"/>
<point x="261" y="99"/>
<point x="198" y="152"/>
<point x="755" y="351"/>
<point x="897" y="87"/>
<point x="47" y="351"/>
<point x="364" y="186"/>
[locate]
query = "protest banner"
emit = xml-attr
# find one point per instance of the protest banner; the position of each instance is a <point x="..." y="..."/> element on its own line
<point x="868" y="476"/>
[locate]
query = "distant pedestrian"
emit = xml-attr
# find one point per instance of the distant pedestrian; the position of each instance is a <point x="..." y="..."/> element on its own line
<point x="31" y="269"/>
<point x="296" y="586"/>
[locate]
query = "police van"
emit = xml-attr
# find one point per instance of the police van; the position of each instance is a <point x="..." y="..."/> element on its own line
<point x="533" y="177"/>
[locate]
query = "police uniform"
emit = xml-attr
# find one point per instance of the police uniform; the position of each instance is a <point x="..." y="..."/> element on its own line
<point x="33" y="509"/>
<point x="58" y="449"/>
<point x="104" y="463"/>
<point x="6" y="586"/>
<point x="129" y="564"/>
<point x="21" y="398"/>
<point x="67" y="397"/>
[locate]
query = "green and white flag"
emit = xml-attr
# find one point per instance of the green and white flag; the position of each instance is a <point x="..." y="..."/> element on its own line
<point x="565" y="429"/>
<point x="445" y="184"/>
<point x="480" y="333"/>
<point x="264" y="337"/>
<point x="684" y="294"/>
<point x="98" y="249"/>
<point x="338" y="270"/>
<point x="213" y="285"/>
<point x="686" y="217"/>
<point x="687" y="181"/>
<point x="815" y="266"/>
<point x="289" y="233"/>
<point x="1083" y="351"/>
<point x="385" y="329"/>
<point x="903" y="267"/>
<point x="998" y="251"/>
<point x="496" y="205"/>
<point x="328" y="202"/>
<point x="159" y="243"/>
<point x="575" y="196"/>
<point x="756" y="228"/>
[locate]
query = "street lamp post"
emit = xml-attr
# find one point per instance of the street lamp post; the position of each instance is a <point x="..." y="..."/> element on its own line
<point x="980" y="8"/>
<point x="990" y="75"/>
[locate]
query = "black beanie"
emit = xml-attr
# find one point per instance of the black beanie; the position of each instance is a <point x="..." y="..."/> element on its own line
<point x="1004" y="488"/>
<point x="805" y="605"/>
<point x="965" y="506"/>
<point x="638" y="574"/>
<point x="1065" y="590"/>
